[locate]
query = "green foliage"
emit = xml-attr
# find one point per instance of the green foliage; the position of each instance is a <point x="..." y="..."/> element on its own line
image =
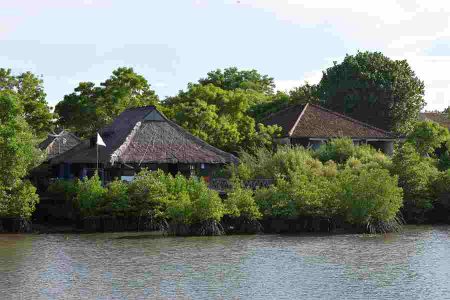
<point x="375" y="89"/>
<point x="416" y="175"/>
<point x="338" y="150"/>
<point x="241" y="203"/>
<point x="90" y="107"/>
<point x="221" y="117"/>
<point x="65" y="188"/>
<point x="300" y="95"/>
<point x="90" y="193"/>
<point x="343" y="151"/>
<point x="17" y="156"/>
<point x="444" y="161"/>
<point x="148" y="194"/>
<point x="359" y="188"/>
<point x="275" y="103"/>
<point x="369" y="196"/>
<point x="427" y="136"/>
<point x="306" y="93"/>
<point x="192" y="201"/>
<point x="276" y="200"/>
<point x="115" y="200"/>
<point x="29" y="92"/>
<point x="267" y="164"/>
<point x="232" y="79"/>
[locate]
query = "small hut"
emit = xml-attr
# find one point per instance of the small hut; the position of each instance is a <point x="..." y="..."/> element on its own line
<point x="58" y="143"/>
<point x="311" y="125"/>
<point x="141" y="138"/>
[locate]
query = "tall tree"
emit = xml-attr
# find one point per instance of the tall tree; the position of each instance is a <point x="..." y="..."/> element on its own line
<point x="18" y="155"/>
<point x="31" y="96"/>
<point x="375" y="89"/>
<point x="303" y="94"/>
<point x="232" y="78"/>
<point x="221" y="117"/>
<point x="91" y="107"/>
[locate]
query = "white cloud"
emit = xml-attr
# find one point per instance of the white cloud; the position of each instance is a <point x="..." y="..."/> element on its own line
<point x="400" y="29"/>
<point x="288" y="84"/>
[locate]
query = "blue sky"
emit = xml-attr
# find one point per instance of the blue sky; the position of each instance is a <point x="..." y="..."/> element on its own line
<point x="174" y="42"/>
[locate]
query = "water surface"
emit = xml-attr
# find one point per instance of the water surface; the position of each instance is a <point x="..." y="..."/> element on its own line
<point x="414" y="264"/>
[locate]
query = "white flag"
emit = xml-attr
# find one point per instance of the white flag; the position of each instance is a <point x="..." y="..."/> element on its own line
<point x="100" y="140"/>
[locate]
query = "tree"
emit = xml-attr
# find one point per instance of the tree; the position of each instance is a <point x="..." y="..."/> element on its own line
<point x="91" y="107"/>
<point x="427" y="136"/>
<point x="18" y="155"/>
<point x="30" y="93"/>
<point x="220" y="117"/>
<point x="303" y="94"/>
<point x="233" y="78"/>
<point x="375" y="89"/>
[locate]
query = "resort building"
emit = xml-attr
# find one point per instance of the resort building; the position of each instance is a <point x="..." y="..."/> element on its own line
<point x="58" y="143"/>
<point x="141" y="138"/>
<point x="311" y="125"/>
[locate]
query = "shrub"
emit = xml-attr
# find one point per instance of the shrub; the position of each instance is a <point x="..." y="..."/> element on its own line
<point x="240" y="203"/>
<point x="338" y="150"/>
<point x="63" y="188"/>
<point x="19" y="200"/>
<point x="89" y="193"/>
<point x="416" y="175"/>
<point x="148" y="194"/>
<point x="276" y="200"/>
<point x="428" y="136"/>
<point x="444" y="161"/>
<point x="369" y="196"/>
<point x="115" y="200"/>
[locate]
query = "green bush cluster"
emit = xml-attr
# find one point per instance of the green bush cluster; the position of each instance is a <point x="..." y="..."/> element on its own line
<point x="158" y="195"/>
<point x="338" y="180"/>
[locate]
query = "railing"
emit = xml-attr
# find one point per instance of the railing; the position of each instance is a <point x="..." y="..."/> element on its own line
<point x="223" y="184"/>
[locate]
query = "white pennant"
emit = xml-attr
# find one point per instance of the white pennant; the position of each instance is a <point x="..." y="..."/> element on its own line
<point x="100" y="140"/>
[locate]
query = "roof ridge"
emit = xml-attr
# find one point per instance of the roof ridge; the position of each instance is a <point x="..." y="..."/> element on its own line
<point x="352" y="119"/>
<point x="298" y="119"/>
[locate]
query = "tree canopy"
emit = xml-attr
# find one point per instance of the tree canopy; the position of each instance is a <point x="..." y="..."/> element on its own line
<point x="375" y="89"/>
<point x="30" y="94"/>
<point x="91" y="107"/>
<point x="18" y="154"/>
<point x="220" y="117"/>
<point x="232" y="78"/>
<point x="427" y="136"/>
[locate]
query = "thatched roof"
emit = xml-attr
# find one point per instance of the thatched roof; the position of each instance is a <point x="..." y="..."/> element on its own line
<point x="440" y="118"/>
<point x="56" y="144"/>
<point x="145" y="135"/>
<point x="313" y="121"/>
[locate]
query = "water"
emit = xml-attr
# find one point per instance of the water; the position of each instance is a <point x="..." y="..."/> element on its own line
<point x="414" y="264"/>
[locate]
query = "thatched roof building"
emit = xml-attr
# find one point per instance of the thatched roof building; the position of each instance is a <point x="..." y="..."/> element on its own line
<point x="310" y="125"/>
<point x="143" y="136"/>
<point x="57" y="143"/>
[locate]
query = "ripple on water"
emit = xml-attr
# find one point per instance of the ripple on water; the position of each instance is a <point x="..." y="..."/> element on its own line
<point x="414" y="264"/>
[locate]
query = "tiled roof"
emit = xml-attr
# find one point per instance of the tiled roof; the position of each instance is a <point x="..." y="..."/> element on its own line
<point x="144" y="135"/>
<point x="314" y="121"/>
<point x="440" y="118"/>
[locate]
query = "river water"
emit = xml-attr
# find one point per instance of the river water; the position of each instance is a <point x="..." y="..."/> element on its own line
<point x="414" y="264"/>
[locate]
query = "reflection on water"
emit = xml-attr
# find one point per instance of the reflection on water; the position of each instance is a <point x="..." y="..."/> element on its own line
<point x="414" y="264"/>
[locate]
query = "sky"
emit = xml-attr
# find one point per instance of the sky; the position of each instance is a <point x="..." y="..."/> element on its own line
<point x="174" y="42"/>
